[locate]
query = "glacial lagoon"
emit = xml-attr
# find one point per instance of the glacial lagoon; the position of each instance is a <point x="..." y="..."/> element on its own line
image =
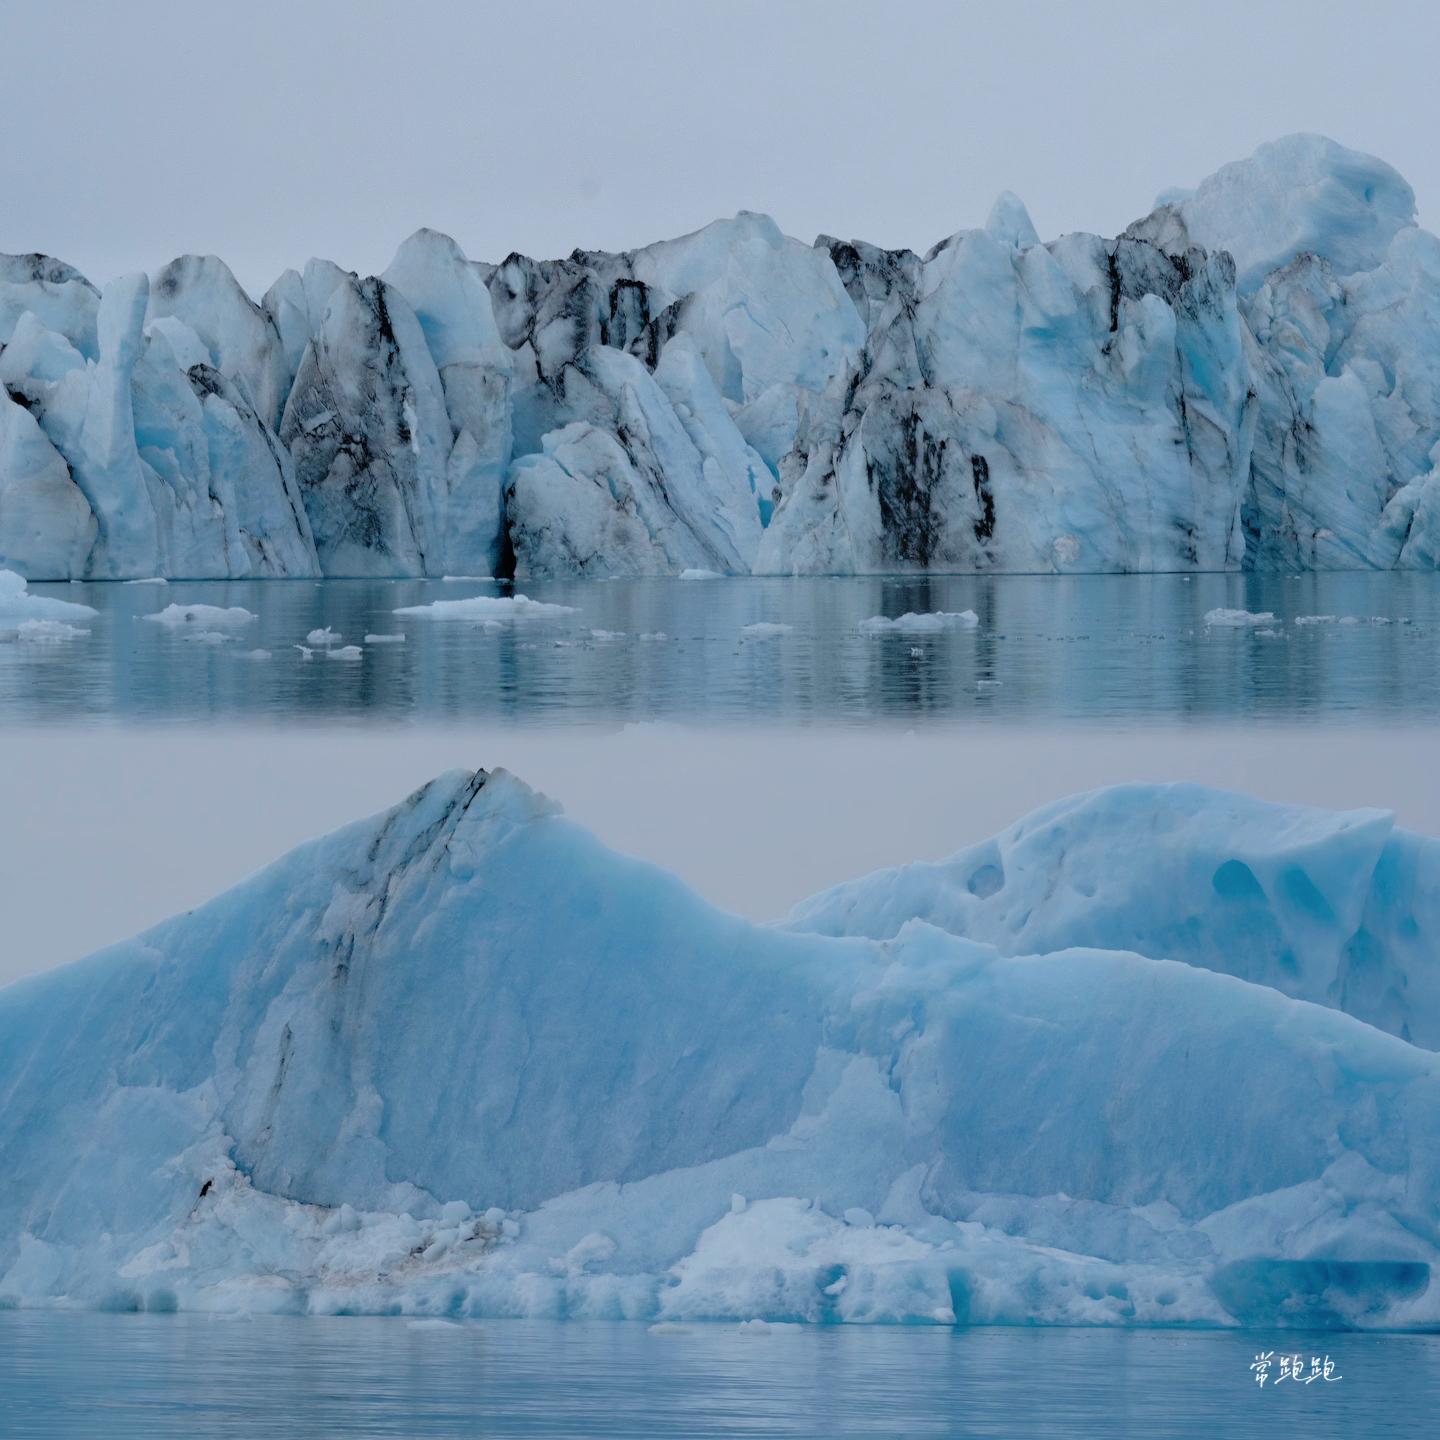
<point x="1126" y="648"/>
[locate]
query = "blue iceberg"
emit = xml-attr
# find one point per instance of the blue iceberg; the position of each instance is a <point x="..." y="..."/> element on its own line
<point x="461" y="1059"/>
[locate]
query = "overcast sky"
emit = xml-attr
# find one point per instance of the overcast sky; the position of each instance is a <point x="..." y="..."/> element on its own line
<point x="106" y="830"/>
<point x="267" y="132"/>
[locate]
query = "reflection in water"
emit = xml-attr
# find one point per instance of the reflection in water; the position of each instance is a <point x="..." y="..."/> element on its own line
<point x="156" y="1376"/>
<point x="1046" y="648"/>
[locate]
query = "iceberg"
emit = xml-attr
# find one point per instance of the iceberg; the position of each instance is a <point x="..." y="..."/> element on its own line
<point x="1337" y="909"/>
<point x="487" y="608"/>
<point x="912" y="624"/>
<point x="462" y="1060"/>
<point x="1238" y="619"/>
<point x="176" y="617"/>
<point x="17" y="605"/>
<point x="1246" y="378"/>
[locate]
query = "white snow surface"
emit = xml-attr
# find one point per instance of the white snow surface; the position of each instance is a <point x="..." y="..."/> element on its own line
<point x="1246" y="378"/>
<point x="461" y="1059"/>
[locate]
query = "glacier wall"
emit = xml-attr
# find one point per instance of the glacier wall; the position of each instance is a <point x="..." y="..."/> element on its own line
<point x="461" y="1059"/>
<point x="1248" y="377"/>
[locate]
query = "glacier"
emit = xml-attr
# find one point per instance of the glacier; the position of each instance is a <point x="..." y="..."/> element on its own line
<point x="1157" y="1055"/>
<point x="1246" y="378"/>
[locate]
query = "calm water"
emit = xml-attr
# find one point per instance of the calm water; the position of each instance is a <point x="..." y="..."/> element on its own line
<point x="1085" y="648"/>
<point x="163" y="1376"/>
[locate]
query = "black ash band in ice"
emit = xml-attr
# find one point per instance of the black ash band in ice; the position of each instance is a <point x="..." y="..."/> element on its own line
<point x="1248" y="378"/>
<point x="1153" y="1056"/>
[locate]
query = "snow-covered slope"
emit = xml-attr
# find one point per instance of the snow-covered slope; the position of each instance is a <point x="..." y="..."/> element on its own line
<point x="462" y="1059"/>
<point x="1248" y="377"/>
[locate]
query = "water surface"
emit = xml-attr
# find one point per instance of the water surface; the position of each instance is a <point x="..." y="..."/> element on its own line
<point x="187" y="1376"/>
<point x="1046" y="648"/>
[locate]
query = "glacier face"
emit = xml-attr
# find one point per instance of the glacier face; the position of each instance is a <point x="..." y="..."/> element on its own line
<point x="1248" y="377"/>
<point x="462" y="1059"/>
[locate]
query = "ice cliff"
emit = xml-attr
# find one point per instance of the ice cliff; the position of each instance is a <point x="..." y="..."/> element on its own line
<point x="463" y="1060"/>
<point x="1248" y="377"/>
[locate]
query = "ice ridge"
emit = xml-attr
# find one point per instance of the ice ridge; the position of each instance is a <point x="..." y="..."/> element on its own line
<point x="461" y="1059"/>
<point x="1246" y="378"/>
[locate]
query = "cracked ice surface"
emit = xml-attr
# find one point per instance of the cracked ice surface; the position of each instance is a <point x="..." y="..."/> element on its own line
<point x="1141" y="1059"/>
<point x="1246" y="378"/>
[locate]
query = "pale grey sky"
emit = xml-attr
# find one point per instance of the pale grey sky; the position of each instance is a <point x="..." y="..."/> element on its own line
<point x="267" y="132"/>
<point x="105" y="831"/>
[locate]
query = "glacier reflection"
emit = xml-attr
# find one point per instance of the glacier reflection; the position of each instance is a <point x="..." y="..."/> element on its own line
<point x="1045" y="648"/>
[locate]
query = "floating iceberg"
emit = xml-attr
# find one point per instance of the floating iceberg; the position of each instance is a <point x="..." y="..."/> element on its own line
<point x="17" y="605"/>
<point x="487" y="608"/>
<point x="181" y="616"/>
<point x="49" y="632"/>
<point x="913" y="624"/>
<point x="461" y="1059"/>
<point x="1246" y="378"/>
<point x="1236" y="619"/>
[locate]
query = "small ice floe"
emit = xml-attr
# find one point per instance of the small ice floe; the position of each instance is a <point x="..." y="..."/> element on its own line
<point x="488" y="607"/>
<point x="765" y="630"/>
<point x="16" y="604"/>
<point x="346" y="652"/>
<point x="205" y="637"/>
<point x="306" y="652"/>
<point x="1269" y="634"/>
<point x="654" y="635"/>
<point x="917" y="652"/>
<point x="913" y="624"/>
<point x="432" y="1325"/>
<point x="49" y="632"/>
<point x="669" y="1327"/>
<point x="753" y="1327"/>
<point x="149" y="580"/>
<point x="701" y="575"/>
<point x="607" y="635"/>
<point x="1315" y="619"/>
<point x="1239" y="617"/>
<point x="202" y="617"/>
<point x="988" y="684"/>
<point x="398" y="639"/>
<point x="257" y="655"/>
<point x="467" y="579"/>
<point x="322" y="639"/>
